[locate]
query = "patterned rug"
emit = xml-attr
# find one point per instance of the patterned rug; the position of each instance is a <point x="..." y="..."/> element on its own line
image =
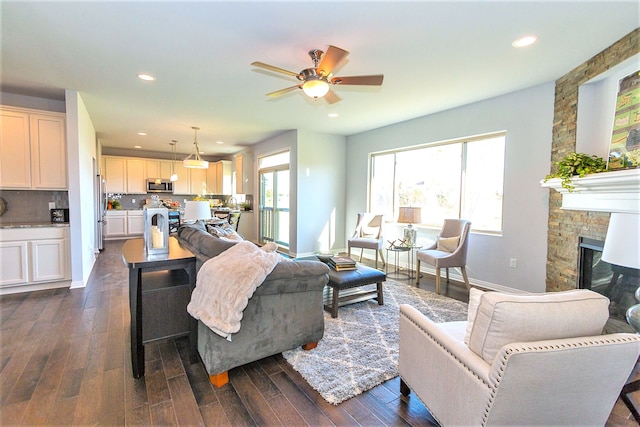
<point x="360" y="348"/>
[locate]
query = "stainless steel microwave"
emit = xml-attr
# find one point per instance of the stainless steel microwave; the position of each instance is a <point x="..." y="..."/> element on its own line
<point x="159" y="186"/>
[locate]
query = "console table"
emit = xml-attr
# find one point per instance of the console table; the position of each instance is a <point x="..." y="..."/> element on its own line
<point x="160" y="288"/>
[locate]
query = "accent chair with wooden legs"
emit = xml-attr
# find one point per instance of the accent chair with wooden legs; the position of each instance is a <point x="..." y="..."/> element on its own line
<point x="368" y="235"/>
<point x="449" y="250"/>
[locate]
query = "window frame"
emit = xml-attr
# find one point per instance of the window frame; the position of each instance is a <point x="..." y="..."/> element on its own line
<point x="464" y="141"/>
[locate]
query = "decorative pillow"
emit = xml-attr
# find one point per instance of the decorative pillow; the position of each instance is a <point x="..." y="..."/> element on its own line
<point x="503" y="318"/>
<point x="448" y="244"/>
<point x="474" y="301"/>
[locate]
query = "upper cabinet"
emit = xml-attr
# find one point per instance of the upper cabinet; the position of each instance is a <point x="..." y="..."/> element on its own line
<point x="244" y="173"/>
<point x="125" y="175"/>
<point x="33" y="151"/>
<point x="158" y="169"/>
<point x="219" y="177"/>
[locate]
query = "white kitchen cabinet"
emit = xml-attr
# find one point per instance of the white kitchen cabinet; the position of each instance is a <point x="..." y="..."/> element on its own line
<point x="158" y="169"/>
<point x="14" y="263"/>
<point x="123" y="224"/>
<point x="125" y="175"/>
<point x="136" y="176"/>
<point x="182" y="185"/>
<point x="198" y="181"/>
<point x="33" y="151"/>
<point x="219" y="177"/>
<point x="48" y="152"/>
<point x="244" y="173"/>
<point x="32" y="256"/>
<point x="115" y="224"/>
<point x="135" y="223"/>
<point x="48" y="259"/>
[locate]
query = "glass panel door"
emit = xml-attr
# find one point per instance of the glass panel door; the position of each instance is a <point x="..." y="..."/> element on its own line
<point x="274" y="205"/>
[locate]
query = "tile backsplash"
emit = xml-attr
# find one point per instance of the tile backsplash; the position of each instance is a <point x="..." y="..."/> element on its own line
<point x="31" y="205"/>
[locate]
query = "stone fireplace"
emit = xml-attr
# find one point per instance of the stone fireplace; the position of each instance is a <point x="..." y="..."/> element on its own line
<point x="570" y="219"/>
<point x="617" y="283"/>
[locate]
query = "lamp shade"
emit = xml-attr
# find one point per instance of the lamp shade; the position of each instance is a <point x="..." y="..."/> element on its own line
<point x="410" y="215"/>
<point x="195" y="210"/>
<point x="622" y="244"/>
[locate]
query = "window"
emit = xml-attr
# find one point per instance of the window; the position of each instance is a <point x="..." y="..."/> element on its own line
<point x="456" y="179"/>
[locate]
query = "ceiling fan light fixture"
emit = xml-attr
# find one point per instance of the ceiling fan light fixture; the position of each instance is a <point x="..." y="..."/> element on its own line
<point x="194" y="161"/>
<point x="315" y="88"/>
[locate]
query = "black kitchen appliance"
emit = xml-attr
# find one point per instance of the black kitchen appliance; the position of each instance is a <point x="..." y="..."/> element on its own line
<point x="59" y="215"/>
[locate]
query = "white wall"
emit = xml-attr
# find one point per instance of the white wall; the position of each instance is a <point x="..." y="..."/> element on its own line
<point x="321" y="193"/>
<point x="81" y="146"/>
<point x="527" y="116"/>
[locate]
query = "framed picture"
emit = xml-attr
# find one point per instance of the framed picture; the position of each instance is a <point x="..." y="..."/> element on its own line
<point x="625" y="139"/>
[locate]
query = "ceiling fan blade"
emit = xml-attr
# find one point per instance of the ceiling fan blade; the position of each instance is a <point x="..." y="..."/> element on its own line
<point x="330" y="59"/>
<point x="331" y="97"/>
<point x="272" y="68"/>
<point x="282" y="91"/>
<point x="375" y="80"/>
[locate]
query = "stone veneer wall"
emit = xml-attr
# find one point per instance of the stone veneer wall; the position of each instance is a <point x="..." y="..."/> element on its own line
<point x="566" y="227"/>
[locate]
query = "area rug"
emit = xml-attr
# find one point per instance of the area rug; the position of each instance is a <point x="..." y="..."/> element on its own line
<point x="360" y="348"/>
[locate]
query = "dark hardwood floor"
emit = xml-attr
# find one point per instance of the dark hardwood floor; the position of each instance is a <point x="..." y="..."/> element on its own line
<point x="65" y="360"/>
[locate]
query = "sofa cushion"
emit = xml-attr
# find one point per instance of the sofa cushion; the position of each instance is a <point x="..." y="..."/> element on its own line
<point x="200" y="242"/>
<point x="504" y="318"/>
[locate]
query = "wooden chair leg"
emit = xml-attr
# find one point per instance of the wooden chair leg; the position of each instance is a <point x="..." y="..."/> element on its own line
<point x="376" y="260"/>
<point x="417" y="271"/>
<point x="220" y="379"/>
<point x="382" y="257"/>
<point x="466" y="278"/>
<point x="447" y="274"/>
<point x="310" y="346"/>
<point x="438" y="280"/>
<point x="361" y="249"/>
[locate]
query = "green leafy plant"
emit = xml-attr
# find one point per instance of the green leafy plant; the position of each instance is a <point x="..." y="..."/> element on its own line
<point x="577" y="164"/>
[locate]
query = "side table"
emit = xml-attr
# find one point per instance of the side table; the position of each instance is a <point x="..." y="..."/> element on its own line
<point x="397" y="250"/>
<point x="160" y="288"/>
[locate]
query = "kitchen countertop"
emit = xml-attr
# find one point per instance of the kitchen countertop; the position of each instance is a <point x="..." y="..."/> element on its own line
<point x="33" y="224"/>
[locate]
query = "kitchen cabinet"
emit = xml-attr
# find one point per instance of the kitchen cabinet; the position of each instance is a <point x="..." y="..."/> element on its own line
<point x="135" y="223"/>
<point x="158" y="169"/>
<point x="136" y="176"/>
<point x="219" y="177"/>
<point x="125" y="175"/>
<point x="244" y="173"/>
<point x="34" y="255"/>
<point x="198" y="181"/>
<point x="33" y="151"/>
<point x="182" y="185"/>
<point x="123" y="224"/>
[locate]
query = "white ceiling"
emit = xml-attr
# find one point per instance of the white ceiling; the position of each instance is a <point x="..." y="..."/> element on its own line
<point x="434" y="56"/>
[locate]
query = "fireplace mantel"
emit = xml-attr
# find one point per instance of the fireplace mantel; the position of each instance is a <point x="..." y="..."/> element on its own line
<point x="617" y="191"/>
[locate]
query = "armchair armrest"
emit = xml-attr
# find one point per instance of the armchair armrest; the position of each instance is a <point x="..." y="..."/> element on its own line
<point x="437" y="367"/>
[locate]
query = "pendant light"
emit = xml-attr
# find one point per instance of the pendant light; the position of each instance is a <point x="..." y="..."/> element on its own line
<point x="194" y="160"/>
<point x="174" y="175"/>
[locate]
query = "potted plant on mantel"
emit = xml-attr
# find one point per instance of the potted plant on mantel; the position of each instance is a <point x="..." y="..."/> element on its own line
<point x="577" y="164"/>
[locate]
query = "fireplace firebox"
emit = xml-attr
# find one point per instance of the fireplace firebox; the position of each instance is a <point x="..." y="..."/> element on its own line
<point x="617" y="283"/>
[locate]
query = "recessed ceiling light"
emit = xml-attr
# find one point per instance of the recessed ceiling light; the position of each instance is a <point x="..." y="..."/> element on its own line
<point x="142" y="133"/>
<point x="524" y="41"/>
<point x="146" y="77"/>
<point x="219" y="142"/>
<point x="137" y="146"/>
<point x="333" y="115"/>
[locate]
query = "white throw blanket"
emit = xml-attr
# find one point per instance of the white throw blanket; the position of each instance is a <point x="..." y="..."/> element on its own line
<point x="226" y="282"/>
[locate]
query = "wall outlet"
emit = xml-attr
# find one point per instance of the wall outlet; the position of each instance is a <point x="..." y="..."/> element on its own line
<point x="513" y="263"/>
<point x="133" y="200"/>
<point x="52" y="205"/>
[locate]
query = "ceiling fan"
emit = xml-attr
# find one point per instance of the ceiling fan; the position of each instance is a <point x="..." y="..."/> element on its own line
<point x="316" y="82"/>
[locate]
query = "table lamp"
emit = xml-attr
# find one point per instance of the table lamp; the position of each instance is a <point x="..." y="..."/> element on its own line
<point x="197" y="210"/>
<point x="409" y="215"/>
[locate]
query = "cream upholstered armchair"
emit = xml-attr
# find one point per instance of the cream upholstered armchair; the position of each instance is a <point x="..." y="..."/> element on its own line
<point x="449" y="250"/>
<point x="519" y="360"/>
<point x="368" y="235"/>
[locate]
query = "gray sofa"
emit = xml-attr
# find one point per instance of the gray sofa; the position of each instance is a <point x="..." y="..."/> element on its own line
<point x="285" y="311"/>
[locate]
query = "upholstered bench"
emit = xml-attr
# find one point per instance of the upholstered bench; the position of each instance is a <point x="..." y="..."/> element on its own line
<point x="344" y="287"/>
